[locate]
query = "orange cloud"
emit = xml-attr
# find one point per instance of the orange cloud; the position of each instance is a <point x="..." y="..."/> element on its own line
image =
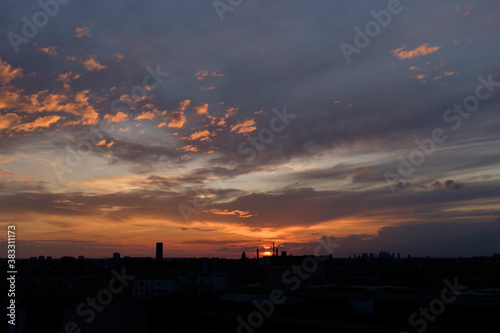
<point x="10" y="98"/>
<point x="6" y="173"/>
<point x="50" y="50"/>
<point x="107" y="145"/>
<point x="184" y="104"/>
<point x="83" y="108"/>
<point x="8" y="119"/>
<point x="238" y="213"/>
<point x="92" y="64"/>
<point x="201" y="75"/>
<point x="230" y="112"/>
<point x="446" y="73"/>
<point x="81" y="32"/>
<point x="203" y="135"/>
<point x="134" y="98"/>
<point x="119" y="57"/>
<point x="248" y="126"/>
<point x="150" y="115"/>
<point x="7" y="73"/>
<point x="67" y="77"/>
<point x="200" y="108"/>
<point x="177" y="119"/>
<point x="43" y="101"/>
<point x="41" y="122"/>
<point x="119" y="117"/>
<point x="222" y="120"/>
<point x="422" y="50"/>
<point x="190" y="148"/>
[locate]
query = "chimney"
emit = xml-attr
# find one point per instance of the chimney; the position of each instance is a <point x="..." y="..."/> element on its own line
<point x="257" y="253"/>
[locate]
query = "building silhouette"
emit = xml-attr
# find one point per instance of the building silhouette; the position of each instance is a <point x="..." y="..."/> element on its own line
<point x="159" y="251"/>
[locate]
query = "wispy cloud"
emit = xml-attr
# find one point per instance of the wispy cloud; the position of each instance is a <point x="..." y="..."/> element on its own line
<point x="245" y="127"/>
<point x="40" y="122"/>
<point x="237" y="213"/>
<point x="422" y="50"/>
<point x="6" y="173"/>
<point x="203" y="74"/>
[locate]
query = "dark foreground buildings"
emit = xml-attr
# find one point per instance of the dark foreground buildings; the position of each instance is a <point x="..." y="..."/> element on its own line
<point x="268" y="294"/>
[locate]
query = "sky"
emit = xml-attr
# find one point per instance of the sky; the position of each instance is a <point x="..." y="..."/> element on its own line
<point x="218" y="127"/>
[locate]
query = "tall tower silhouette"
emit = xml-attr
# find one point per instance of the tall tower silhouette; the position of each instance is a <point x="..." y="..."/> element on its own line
<point x="159" y="251"/>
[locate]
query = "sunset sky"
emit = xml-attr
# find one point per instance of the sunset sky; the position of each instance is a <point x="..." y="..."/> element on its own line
<point x="125" y="123"/>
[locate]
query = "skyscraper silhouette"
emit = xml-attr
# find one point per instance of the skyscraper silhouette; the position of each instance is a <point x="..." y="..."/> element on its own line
<point x="159" y="251"/>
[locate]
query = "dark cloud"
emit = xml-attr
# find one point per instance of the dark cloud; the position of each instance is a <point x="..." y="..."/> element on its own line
<point x="197" y="229"/>
<point x="441" y="239"/>
<point x="218" y="242"/>
<point x="223" y="249"/>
